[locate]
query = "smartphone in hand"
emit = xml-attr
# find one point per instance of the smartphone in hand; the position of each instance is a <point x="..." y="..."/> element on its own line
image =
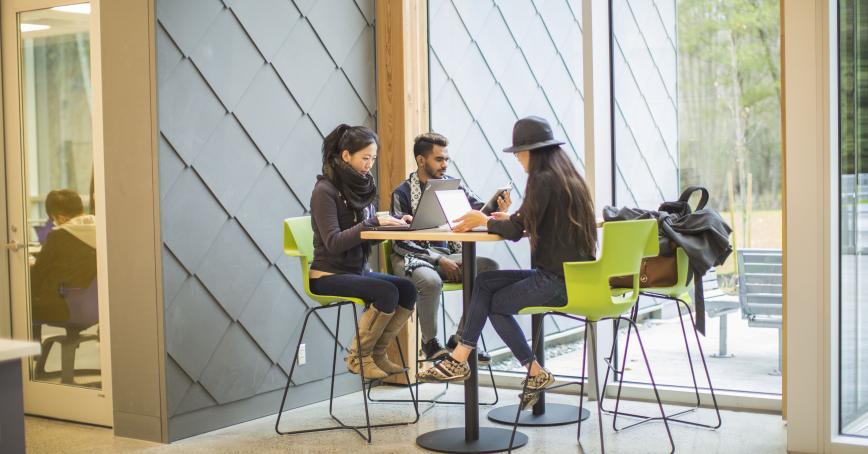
<point x="491" y="205"/>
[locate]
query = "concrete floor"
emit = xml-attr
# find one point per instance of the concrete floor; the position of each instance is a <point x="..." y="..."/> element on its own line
<point x="767" y="433"/>
<point x="754" y="353"/>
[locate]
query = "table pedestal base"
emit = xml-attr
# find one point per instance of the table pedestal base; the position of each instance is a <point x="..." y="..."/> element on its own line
<point x="555" y="415"/>
<point x="491" y="439"/>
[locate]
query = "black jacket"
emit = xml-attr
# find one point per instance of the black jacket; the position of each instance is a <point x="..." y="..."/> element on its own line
<point x="63" y="261"/>
<point x="703" y="235"/>
<point x="338" y="246"/>
<point x="553" y="247"/>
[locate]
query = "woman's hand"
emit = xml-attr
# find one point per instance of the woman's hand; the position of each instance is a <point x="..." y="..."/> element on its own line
<point x="500" y="215"/>
<point x="503" y="202"/>
<point x="407" y="218"/>
<point x="389" y="220"/>
<point x="471" y="219"/>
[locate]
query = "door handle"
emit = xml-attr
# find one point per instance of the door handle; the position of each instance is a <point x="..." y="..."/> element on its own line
<point x="13" y="246"/>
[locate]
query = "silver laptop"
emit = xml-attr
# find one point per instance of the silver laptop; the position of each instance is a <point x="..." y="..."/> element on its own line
<point x="454" y="204"/>
<point x="428" y="212"/>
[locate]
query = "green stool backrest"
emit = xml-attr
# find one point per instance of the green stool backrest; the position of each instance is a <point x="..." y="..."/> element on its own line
<point x="387" y="255"/>
<point x="298" y="238"/>
<point x="386" y="248"/>
<point x="625" y="243"/>
<point x="298" y="242"/>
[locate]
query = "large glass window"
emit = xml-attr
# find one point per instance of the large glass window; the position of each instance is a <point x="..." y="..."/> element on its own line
<point x="853" y="58"/>
<point x="696" y="101"/>
<point x="492" y="62"/>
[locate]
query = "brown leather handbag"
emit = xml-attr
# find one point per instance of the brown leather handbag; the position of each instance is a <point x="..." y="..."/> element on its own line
<point x="655" y="272"/>
<point x="662" y="271"/>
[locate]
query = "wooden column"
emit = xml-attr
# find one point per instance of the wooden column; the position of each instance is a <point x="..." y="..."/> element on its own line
<point x="402" y="108"/>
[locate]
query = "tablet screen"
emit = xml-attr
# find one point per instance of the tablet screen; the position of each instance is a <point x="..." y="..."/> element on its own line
<point x="454" y="204"/>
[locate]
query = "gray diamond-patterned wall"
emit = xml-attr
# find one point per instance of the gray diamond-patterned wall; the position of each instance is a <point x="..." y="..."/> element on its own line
<point x="246" y="91"/>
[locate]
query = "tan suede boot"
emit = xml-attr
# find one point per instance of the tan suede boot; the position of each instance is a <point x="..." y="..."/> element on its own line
<point x="399" y="319"/>
<point x="371" y="326"/>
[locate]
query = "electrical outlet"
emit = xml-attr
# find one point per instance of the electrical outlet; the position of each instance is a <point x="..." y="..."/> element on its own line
<point x="302" y="356"/>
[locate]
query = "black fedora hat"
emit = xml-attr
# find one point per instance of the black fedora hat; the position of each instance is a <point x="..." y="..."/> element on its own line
<point x="531" y="133"/>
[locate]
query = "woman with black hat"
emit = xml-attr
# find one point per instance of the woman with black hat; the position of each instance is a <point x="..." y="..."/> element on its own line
<point x="341" y="206"/>
<point x="557" y="215"/>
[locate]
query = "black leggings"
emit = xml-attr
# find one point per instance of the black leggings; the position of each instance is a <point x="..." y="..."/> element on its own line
<point x="384" y="291"/>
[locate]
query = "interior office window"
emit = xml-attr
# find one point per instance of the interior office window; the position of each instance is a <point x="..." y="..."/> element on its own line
<point x="853" y="185"/>
<point x="696" y="101"/>
<point x="59" y="184"/>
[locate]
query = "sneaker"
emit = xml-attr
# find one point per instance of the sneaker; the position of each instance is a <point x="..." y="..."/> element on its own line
<point x="528" y="400"/>
<point x="433" y="351"/>
<point x="447" y="370"/>
<point x="535" y="385"/>
<point x="539" y="381"/>
<point x="482" y="356"/>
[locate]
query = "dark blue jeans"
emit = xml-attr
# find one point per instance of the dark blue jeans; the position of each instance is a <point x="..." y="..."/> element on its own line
<point x="499" y="295"/>
<point x="384" y="291"/>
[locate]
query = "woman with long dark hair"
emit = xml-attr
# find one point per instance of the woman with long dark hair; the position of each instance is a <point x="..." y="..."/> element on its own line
<point x="341" y="206"/>
<point x="558" y="216"/>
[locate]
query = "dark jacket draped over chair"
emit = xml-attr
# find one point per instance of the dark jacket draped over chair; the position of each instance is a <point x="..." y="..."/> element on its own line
<point x="703" y="235"/>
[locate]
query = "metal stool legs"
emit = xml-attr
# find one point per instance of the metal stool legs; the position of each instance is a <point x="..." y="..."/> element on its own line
<point x="620" y="373"/>
<point x="581" y="383"/>
<point x="341" y="425"/>
<point x="653" y="384"/>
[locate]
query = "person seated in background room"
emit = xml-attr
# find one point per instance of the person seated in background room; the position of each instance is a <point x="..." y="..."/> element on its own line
<point x="341" y="206"/>
<point x="67" y="258"/>
<point x="558" y="216"/>
<point x="429" y="263"/>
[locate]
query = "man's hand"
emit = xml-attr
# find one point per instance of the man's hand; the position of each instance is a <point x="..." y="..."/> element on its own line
<point x="500" y="215"/>
<point x="407" y="218"/>
<point x="503" y="202"/>
<point x="450" y="269"/>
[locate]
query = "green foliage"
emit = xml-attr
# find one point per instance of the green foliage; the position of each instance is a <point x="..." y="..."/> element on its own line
<point x="729" y="98"/>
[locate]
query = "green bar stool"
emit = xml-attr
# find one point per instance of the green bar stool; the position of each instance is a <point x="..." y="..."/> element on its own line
<point x="590" y="300"/>
<point x="298" y="242"/>
<point x="679" y="294"/>
<point x="447" y="287"/>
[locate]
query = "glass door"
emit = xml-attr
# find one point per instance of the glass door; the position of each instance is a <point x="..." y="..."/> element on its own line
<point x="853" y="209"/>
<point x="52" y="223"/>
